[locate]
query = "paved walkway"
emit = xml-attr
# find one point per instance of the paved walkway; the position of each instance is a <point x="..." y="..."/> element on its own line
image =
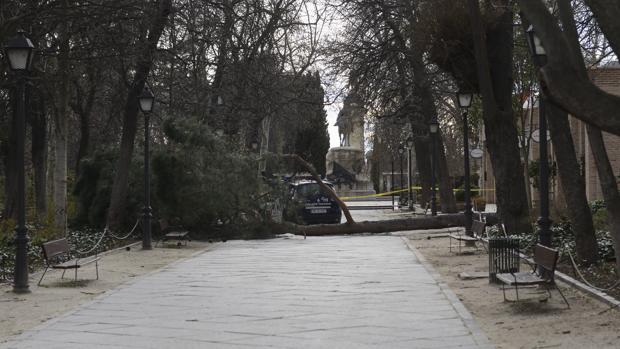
<point x="323" y="292"/>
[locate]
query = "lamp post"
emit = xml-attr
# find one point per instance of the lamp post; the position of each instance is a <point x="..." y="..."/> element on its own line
<point x="19" y="51"/>
<point x="464" y="101"/>
<point x="392" y="179"/>
<point x="146" y="101"/>
<point x="433" y="128"/>
<point x="409" y="167"/>
<point x="401" y="150"/>
<point x="539" y="56"/>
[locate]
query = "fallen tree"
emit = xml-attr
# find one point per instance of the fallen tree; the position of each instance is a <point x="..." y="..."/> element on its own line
<point x="378" y="227"/>
<point x="371" y="227"/>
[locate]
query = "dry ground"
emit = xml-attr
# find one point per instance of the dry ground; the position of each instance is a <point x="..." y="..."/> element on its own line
<point x="535" y="323"/>
<point x="55" y="296"/>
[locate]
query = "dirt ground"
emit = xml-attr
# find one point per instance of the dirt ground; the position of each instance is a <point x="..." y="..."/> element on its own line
<point x="535" y="322"/>
<point x="55" y="296"/>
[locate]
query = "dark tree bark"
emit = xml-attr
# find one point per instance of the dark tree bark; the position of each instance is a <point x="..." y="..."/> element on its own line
<point x="83" y="107"/>
<point x="423" y="164"/>
<point x="573" y="185"/>
<point x="378" y="227"/>
<point x="38" y="121"/>
<point x="448" y="201"/>
<point x="609" y="186"/>
<point x="495" y="83"/>
<point x="10" y="165"/>
<point x="143" y="67"/>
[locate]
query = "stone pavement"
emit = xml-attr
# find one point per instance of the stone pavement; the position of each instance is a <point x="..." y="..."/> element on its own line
<point x="323" y="292"/>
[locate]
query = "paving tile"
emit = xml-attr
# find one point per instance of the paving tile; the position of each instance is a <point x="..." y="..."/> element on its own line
<point x="328" y="292"/>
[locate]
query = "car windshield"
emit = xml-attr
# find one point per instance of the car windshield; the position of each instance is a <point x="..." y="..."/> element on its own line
<point x="310" y="189"/>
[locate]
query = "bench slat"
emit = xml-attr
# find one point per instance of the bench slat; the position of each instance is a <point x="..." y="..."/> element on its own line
<point x="177" y="234"/>
<point x="55" y="248"/>
<point x="73" y="265"/>
<point x="463" y="237"/>
<point x="523" y="278"/>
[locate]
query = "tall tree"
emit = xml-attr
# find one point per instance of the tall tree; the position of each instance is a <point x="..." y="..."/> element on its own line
<point x="144" y="64"/>
<point x="566" y="86"/>
<point x="61" y="119"/>
<point x="493" y="53"/>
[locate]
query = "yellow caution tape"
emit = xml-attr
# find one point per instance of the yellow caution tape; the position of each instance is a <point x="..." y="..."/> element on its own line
<point x="400" y="191"/>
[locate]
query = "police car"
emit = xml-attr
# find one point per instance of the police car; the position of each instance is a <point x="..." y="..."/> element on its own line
<point x="309" y="204"/>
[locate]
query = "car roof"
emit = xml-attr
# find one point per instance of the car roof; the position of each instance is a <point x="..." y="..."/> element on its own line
<point x="307" y="181"/>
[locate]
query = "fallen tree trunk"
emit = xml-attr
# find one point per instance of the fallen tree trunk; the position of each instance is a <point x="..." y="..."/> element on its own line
<point x="375" y="227"/>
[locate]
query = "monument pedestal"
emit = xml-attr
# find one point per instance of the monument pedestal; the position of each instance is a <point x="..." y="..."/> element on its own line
<point x="346" y="167"/>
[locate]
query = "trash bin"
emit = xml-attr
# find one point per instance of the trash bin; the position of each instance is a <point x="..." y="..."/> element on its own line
<point x="503" y="257"/>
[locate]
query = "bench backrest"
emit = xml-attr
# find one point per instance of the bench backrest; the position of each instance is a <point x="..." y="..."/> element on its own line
<point x="163" y="224"/>
<point x="546" y="258"/>
<point x="55" y="248"/>
<point x="478" y="227"/>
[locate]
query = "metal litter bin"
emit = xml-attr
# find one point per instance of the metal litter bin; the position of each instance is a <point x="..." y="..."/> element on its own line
<point x="503" y="257"/>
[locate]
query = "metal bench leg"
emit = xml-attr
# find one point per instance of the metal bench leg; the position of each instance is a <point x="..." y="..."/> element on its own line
<point x="97" y="269"/>
<point x="517" y="291"/>
<point x="63" y="273"/>
<point x="504" y="291"/>
<point x="45" y="271"/>
<point x="562" y="294"/>
<point x="76" y="274"/>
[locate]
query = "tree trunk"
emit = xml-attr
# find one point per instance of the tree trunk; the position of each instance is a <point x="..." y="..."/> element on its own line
<point x="573" y="185"/>
<point x="609" y="186"/>
<point x="9" y="150"/>
<point x="38" y="122"/>
<point x="422" y="89"/>
<point x="423" y="165"/>
<point x="143" y="67"/>
<point x="83" y="108"/>
<point x="60" y="131"/>
<point x="378" y="227"/>
<point x="446" y="194"/>
<point x="495" y="83"/>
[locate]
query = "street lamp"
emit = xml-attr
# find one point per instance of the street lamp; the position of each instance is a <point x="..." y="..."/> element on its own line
<point x="19" y="52"/>
<point x="409" y="168"/>
<point x="464" y="101"/>
<point x="146" y="101"/>
<point x="392" y="177"/>
<point x="401" y="150"/>
<point x="433" y="127"/>
<point x="539" y="56"/>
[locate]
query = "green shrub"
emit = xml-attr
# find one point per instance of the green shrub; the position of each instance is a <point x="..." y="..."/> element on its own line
<point x="206" y="183"/>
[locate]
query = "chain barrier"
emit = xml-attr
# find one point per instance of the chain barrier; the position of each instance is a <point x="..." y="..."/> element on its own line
<point x="584" y="279"/>
<point x="94" y="247"/>
<point x="105" y="232"/>
<point x="126" y="236"/>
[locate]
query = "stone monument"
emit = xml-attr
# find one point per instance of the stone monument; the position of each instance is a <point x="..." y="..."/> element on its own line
<point x="346" y="164"/>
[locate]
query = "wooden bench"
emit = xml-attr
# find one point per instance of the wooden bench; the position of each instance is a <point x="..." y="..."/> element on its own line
<point x="57" y="255"/>
<point x="477" y="228"/>
<point x="173" y="233"/>
<point x="543" y="273"/>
